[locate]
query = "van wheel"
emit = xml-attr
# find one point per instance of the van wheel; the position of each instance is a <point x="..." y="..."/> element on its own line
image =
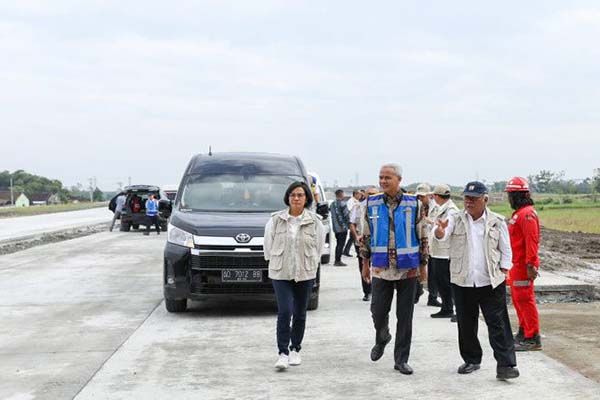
<point x="125" y="227"/>
<point x="176" y="306"/>
<point x="313" y="304"/>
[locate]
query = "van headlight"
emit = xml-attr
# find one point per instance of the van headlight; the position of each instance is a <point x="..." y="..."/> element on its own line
<point x="179" y="237"/>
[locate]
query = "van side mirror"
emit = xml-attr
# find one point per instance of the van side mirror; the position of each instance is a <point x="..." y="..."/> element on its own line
<point x="323" y="209"/>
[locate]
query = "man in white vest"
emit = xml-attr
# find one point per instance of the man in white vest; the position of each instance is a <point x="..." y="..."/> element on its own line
<point x="480" y="257"/>
<point x="440" y="252"/>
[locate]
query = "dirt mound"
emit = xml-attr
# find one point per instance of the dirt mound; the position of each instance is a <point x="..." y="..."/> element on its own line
<point x="574" y="244"/>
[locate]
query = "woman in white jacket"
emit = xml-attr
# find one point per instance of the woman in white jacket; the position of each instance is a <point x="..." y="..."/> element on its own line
<point x="294" y="240"/>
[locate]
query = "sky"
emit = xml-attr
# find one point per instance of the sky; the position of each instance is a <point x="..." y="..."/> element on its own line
<point x="452" y="91"/>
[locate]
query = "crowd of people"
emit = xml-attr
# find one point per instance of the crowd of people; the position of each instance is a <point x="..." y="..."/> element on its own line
<point x="466" y="257"/>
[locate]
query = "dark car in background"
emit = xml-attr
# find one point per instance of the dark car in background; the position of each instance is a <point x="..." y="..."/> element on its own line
<point x="216" y="231"/>
<point x="134" y="211"/>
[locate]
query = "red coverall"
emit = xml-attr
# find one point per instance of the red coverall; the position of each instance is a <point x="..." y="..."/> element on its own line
<point x="524" y="229"/>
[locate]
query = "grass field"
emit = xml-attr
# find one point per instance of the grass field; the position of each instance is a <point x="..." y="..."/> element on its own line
<point x="9" y="212"/>
<point x="580" y="216"/>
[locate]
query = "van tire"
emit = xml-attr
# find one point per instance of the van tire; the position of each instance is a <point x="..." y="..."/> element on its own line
<point x="176" y="306"/>
<point x="313" y="304"/>
<point x="125" y="227"/>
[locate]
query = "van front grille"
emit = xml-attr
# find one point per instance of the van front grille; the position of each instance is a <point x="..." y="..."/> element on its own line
<point x="230" y="261"/>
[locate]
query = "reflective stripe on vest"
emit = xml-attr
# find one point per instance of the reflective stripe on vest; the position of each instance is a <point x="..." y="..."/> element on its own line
<point x="521" y="283"/>
<point x="407" y="244"/>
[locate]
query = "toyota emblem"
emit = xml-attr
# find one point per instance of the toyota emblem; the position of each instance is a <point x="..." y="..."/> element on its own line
<point x="243" y="238"/>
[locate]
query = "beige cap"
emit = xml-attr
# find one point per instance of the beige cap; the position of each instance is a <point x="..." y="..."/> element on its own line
<point x="423" y="190"/>
<point x="441" y="189"/>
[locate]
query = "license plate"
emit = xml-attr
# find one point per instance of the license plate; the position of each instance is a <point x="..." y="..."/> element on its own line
<point x="241" y="275"/>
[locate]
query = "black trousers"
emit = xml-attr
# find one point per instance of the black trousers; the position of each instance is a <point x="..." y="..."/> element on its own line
<point x="340" y="241"/>
<point x="381" y="301"/>
<point x="493" y="306"/>
<point x="152" y="220"/>
<point x="431" y="282"/>
<point x="366" y="287"/>
<point x="349" y="244"/>
<point x="442" y="282"/>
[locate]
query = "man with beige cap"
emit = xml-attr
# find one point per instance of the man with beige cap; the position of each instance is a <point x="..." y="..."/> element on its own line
<point x="423" y="194"/>
<point x="440" y="252"/>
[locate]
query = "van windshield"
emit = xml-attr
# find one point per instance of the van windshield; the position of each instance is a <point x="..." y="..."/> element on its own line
<point x="235" y="193"/>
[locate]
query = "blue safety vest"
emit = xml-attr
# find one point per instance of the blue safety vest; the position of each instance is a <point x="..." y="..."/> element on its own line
<point x="405" y="221"/>
<point x="151" y="208"/>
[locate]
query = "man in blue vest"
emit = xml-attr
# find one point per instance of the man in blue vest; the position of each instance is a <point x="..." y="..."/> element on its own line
<point x="152" y="214"/>
<point x="395" y="255"/>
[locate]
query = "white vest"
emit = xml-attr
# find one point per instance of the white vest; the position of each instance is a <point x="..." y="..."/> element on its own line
<point x="440" y="249"/>
<point x="307" y="256"/>
<point x="459" y="249"/>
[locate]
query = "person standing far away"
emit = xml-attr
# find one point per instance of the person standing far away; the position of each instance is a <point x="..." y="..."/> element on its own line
<point x="340" y="220"/>
<point x="440" y="252"/>
<point x="480" y="257"/>
<point x="152" y="214"/>
<point x="119" y="203"/>
<point x="423" y="194"/>
<point x="394" y="257"/>
<point x="524" y="229"/>
<point x="356" y="217"/>
<point x="293" y="243"/>
<point x="352" y="202"/>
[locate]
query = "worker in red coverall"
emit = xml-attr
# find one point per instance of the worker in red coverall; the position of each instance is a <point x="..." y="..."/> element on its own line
<point x="524" y="230"/>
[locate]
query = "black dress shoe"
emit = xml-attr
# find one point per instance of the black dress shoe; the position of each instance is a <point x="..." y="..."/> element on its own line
<point x="347" y="254"/>
<point x="467" y="368"/>
<point x="434" y="303"/>
<point x="505" y="373"/>
<point x="404" y="368"/>
<point x="442" y="314"/>
<point x="453" y="319"/>
<point x="377" y="350"/>
<point x="339" y="264"/>
<point x="366" y="297"/>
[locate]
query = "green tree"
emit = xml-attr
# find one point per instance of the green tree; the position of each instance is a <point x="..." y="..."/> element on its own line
<point x="98" y="195"/>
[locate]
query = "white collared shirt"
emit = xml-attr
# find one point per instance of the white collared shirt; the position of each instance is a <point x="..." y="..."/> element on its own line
<point x="478" y="272"/>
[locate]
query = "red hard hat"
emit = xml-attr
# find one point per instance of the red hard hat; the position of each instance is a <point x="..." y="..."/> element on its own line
<point x="517" y="184"/>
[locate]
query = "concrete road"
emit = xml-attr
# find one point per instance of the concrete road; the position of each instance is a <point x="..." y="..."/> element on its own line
<point x="80" y="320"/>
<point x="18" y="227"/>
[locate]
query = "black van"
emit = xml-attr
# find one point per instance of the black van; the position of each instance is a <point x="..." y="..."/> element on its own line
<point x="216" y="230"/>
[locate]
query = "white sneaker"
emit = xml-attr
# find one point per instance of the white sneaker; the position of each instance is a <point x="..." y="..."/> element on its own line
<point x="283" y="362"/>
<point x="295" y="358"/>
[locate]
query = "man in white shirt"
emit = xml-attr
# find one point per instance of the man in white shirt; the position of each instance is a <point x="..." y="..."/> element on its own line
<point x="480" y="257"/>
<point x="356" y="217"/>
<point x="439" y="252"/>
<point x="352" y="203"/>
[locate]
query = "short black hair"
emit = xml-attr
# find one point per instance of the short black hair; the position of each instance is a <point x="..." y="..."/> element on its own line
<point x="443" y="196"/>
<point x="339" y="191"/>
<point x="307" y="192"/>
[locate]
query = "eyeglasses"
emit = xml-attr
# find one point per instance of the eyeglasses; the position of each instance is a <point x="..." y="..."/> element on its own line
<point x="297" y="195"/>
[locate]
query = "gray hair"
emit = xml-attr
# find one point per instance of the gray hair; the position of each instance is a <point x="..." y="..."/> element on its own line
<point x="396" y="167"/>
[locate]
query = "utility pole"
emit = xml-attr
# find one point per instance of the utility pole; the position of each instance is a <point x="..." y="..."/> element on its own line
<point x="120" y="186"/>
<point x="12" y="195"/>
<point x="129" y="181"/>
<point x="91" y="190"/>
